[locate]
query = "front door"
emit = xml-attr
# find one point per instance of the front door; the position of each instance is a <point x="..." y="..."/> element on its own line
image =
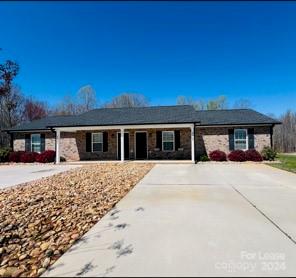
<point x="126" y="146"/>
<point x="141" y="145"/>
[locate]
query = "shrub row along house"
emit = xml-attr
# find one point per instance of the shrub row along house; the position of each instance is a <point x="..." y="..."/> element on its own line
<point x="157" y="132"/>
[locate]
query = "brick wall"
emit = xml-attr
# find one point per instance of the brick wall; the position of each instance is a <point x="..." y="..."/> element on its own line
<point x="73" y="144"/>
<point x="185" y="144"/>
<point x="19" y="141"/>
<point x="213" y="138"/>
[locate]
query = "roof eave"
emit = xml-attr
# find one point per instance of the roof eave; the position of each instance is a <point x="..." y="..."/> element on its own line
<point x="241" y="124"/>
<point x="134" y="124"/>
<point x="26" y="130"/>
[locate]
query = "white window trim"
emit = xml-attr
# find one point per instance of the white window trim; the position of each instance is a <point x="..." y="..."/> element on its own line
<point x="31" y="145"/>
<point x="247" y="138"/>
<point x="92" y="142"/>
<point x="162" y="141"/>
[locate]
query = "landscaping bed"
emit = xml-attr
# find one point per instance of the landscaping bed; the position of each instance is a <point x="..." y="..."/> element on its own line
<point x="40" y="220"/>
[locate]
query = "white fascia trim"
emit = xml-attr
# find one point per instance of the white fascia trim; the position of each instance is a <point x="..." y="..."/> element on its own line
<point x="234" y="126"/>
<point x="77" y="128"/>
<point x="31" y="131"/>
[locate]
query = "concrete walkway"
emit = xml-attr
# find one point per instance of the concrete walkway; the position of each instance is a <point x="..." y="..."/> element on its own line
<point x="14" y="174"/>
<point x="194" y="220"/>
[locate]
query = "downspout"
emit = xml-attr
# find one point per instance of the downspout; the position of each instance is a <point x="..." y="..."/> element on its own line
<point x="55" y="142"/>
<point x="194" y="143"/>
<point x="11" y="140"/>
<point x="271" y="135"/>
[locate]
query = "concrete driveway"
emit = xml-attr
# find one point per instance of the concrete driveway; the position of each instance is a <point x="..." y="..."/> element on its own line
<point x="194" y="220"/>
<point x="19" y="173"/>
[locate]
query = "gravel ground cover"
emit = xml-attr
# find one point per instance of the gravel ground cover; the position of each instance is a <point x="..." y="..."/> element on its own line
<point x="40" y="220"/>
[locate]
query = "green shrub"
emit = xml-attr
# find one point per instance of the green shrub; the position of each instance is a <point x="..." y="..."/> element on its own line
<point x="268" y="153"/>
<point x="204" y="157"/>
<point x="4" y="154"/>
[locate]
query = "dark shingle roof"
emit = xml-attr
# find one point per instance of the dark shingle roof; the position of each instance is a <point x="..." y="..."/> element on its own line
<point x="118" y="116"/>
<point x="43" y="124"/>
<point x="233" y="117"/>
<point x="130" y="116"/>
<point x="150" y="115"/>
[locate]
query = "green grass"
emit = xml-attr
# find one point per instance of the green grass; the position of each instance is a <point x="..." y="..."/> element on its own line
<point x="287" y="162"/>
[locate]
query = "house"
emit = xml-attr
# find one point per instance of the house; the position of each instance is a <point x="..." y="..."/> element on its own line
<point x="157" y="132"/>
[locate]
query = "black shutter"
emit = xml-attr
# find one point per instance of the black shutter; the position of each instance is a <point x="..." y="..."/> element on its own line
<point x="177" y="139"/>
<point x="271" y="136"/>
<point x="231" y="139"/>
<point x="105" y="141"/>
<point x="27" y="142"/>
<point x="11" y="141"/>
<point x="251" y="138"/>
<point x="42" y="137"/>
<point x="159" y="140"/>
<point x="88" y="142"/>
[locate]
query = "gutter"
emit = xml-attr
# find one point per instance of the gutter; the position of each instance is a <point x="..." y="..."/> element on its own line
<point x="171" y="123"/>
<point x="243" y="124"/>
<point x="196" y="124"/>
<point x="24" y="130"/>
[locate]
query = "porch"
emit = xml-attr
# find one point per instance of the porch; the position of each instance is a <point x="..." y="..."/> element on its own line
<point x="88" y="162"/>
<point x="138" y="142"/>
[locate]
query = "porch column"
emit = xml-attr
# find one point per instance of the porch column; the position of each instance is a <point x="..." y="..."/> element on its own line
<point x="122" y="144"/>
<point x="58" y="136"/>
<point x="192" y="144"/>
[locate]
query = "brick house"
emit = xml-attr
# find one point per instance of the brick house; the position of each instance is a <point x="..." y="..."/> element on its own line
<point x="158" y="132"/>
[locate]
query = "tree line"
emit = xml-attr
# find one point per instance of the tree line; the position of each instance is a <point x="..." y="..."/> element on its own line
<point x="218" y="103"/>
<point x="284" y="137"/>
<point x="15" y="108"/>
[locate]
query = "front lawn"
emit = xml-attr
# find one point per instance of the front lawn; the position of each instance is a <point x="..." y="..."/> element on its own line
<point x="41" y="219"/>
<point x="287" y="162"/>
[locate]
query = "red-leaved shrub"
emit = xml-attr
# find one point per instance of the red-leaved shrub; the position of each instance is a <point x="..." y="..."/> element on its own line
<point x="237" y="155"/>
<point x="15" y="156"/>
<point x="253" y="155"/>
<point x="217" y="155"/>
<point x="28" y="157"/>
<point x="46" y="156"/>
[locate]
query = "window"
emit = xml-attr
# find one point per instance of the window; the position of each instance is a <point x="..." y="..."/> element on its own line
<point x="36" y="143"/>
<point x="168" y="140"/>
<point x="97" y="142"/>
<point x="240" y="139"/>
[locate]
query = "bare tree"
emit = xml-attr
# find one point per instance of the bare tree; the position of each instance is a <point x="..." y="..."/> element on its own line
<point x="181" y="100"/>
<point x="34" y="110"/>
<point x="11" y="108"/>
<point x="83" y="101"/>
<point x="128" y="100"/>
<point x="218" y="103"/>
<point x="284" y="137"/>
<point x="214" y="104"/>
<point x="86" y="98"/>
<point x="243" y="103"/>
<point x="8" y="71"/>
<point x="10" y="98"/>
<point x="67" y="106"/>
